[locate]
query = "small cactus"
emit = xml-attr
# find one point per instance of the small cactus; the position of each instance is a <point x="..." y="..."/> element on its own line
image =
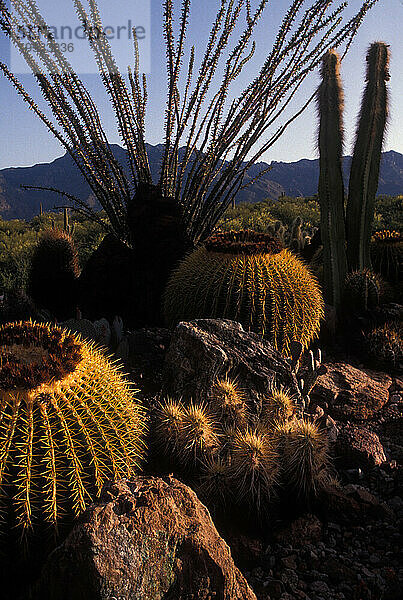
<point x="213" y="485"/>
<point x="228" y="403"/>
<point x="385" y="344"/>
<point x="305" y="453"/>
<point x="363" y="290"/>
<point x="253" y="469"/>
<point x="169" y="423"/>
<point x="387" y="254"/>
<point x="198" y="438"/>
<point x="53" y="275"/>
<point x="278" y="406"/>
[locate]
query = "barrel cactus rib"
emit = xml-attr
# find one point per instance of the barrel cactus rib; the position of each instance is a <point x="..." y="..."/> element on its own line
<point x="247" y="277"/>
<point x="69" y="421"/>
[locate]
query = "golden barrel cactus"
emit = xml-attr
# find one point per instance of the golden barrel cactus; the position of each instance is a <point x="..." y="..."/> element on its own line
<point x="248" y="277"/>
<point x="68" y="422"/>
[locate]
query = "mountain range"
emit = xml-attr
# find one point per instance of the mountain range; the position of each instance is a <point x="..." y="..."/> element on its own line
<point x="292" y="179"/>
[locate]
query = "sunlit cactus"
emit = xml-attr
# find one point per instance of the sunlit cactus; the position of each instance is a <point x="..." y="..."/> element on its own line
<point x="253" y="468"/>
<point x="227" y="401"/>
<point x="387" y="254"/>
<point x="198" y="437"/>
<point x="169" y="424"/>
<point x="69" y="421"/>
<point x="247" y="277"/>
<point x="277" y="407"/>
<point x="305" y="455"/>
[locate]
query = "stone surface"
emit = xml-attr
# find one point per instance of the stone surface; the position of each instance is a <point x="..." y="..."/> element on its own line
<point x="358" y="447"/>
<point x="351" y="504"/>
<point x="148" y="539"/>
<point x="205" y="349"/>
<point x="304" y="530"/>
<point x="351" y="393"/>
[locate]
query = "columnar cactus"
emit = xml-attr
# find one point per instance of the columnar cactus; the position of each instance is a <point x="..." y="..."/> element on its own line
<point x="330" y="103"/>
<point x="364" y="174"/>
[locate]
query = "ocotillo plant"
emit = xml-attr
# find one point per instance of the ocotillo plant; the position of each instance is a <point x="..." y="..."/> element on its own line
<point x="330" y="102"/>
<point x="212" y="135"/>
<point x="364" y="174"/>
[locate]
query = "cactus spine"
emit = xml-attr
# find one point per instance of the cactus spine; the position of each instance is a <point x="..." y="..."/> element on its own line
<point x="364" y="174"/>
<point x="69" y="421"/>
<point x="331" y="189"/>
<point x="247" y="277"/>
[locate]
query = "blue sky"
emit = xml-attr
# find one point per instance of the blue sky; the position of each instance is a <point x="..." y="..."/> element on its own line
<point x="26" y="141"/>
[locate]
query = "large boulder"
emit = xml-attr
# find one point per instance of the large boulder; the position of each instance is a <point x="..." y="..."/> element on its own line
<point x="350" y="393"/>
<point x="202" y="350"/>
<point x="148" y="539"/>
<point x="358" y="447"/>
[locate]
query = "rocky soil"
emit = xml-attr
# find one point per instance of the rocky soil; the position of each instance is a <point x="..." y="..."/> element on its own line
<point x="348" y="546"/>
<point x="343" y="553"/>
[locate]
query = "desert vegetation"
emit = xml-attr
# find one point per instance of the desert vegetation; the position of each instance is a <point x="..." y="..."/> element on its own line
<point x="175" y="341"/>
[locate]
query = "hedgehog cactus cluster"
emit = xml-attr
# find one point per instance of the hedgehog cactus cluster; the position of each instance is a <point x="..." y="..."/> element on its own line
<point x="248" y="277"/>
<point x="238" y="460"/>
<point x="69" y="421"/>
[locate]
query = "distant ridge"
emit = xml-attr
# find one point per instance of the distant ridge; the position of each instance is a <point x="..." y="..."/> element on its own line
<point x="294" y="179"/>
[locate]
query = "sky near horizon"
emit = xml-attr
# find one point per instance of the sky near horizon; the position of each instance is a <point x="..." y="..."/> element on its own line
<point x="26" y="140"/>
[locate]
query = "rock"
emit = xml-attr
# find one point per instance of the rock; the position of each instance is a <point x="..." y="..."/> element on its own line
<point x="358" y="447"/>
<point x="289" y="578"/>
<point x="337" y="570"/>
<point x="351" y="504"/>
<point x="204" y="349"/>
<point x="319" y="587"/>
<point x="275" y="588"/>
<point x="302" y="531"/>
<point x="148" y="538"/>
<point x="351" y="393"/>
